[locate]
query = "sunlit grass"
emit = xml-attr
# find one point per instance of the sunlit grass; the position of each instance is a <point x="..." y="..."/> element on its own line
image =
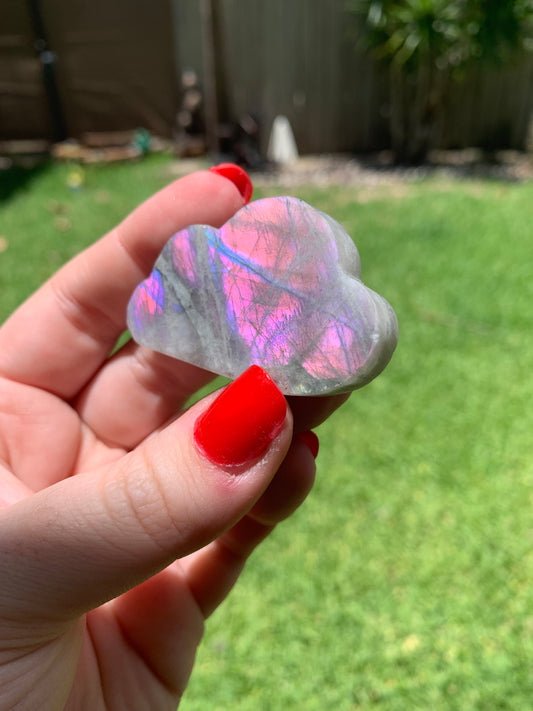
<point x="405" y="581"/>
<point x="45" y="221"/>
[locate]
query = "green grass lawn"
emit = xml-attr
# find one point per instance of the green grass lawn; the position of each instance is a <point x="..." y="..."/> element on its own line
<point x="405" y="581"/>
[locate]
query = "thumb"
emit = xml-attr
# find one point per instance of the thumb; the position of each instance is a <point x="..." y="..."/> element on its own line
<point x="87" y="539"/>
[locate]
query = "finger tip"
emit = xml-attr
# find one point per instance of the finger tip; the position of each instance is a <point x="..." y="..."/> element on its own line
<point x="238" y="176"/>
<point x="310" y="439"/>
<point x="243" y="421"/>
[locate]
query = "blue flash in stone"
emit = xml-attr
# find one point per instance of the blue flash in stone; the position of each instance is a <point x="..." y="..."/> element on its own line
<point x="279" y="286"/>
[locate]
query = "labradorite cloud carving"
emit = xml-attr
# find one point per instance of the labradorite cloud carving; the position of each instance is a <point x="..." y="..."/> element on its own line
<point x="279" y="285"/>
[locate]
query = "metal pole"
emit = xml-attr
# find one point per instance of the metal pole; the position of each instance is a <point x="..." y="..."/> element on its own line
<point x="47" y="57"/>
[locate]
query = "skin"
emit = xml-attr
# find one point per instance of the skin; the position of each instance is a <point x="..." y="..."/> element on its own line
<point x="117" y="537"/>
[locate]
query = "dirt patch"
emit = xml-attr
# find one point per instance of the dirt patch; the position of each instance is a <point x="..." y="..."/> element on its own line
<point x="374" y="172"/>
<point x="379" y="169"/>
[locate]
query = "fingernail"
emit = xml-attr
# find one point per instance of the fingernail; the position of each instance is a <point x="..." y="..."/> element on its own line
<point x="238" y="177"/>
<point x="311" y="440"/>
<point x="243" y="421"/>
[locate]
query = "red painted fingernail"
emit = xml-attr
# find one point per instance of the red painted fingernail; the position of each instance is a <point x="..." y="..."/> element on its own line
<point x="311" y="440"/>
<point x="238" y="177"/>
<point x="242" y="422"/>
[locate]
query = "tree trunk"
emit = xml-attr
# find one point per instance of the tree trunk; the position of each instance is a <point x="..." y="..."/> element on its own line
<point x="417" y="104"/>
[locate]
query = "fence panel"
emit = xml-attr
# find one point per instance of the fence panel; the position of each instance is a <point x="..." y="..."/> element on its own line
<point x="114" y="66"/>
<point x="115" y="63"/>
<point x="297" y="59"/>
<point x="118" y="63"/>
<point x="303" y="59"/>
<point x="24" y="111"/>
<point x="493" y="108"/>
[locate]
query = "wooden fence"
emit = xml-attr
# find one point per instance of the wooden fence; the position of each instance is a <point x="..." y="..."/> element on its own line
<point x="117" y="66"/>
<point x="71" y="66"/>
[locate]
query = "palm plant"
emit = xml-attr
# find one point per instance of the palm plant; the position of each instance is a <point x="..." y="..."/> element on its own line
<point x="429" y="44"/>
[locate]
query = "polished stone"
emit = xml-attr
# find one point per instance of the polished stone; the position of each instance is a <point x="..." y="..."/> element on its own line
<point x="279" y="286"/>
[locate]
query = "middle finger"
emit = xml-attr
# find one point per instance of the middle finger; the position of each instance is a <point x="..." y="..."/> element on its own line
<point x="136" y="392"/>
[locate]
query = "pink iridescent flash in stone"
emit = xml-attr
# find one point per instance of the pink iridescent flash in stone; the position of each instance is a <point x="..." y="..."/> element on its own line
<point x="279" y="286"/>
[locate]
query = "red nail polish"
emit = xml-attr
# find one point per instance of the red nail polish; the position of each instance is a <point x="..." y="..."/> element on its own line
<point x="311" y="440"/>
<point x="238" y="177"/>
<point x="241" y="423"/>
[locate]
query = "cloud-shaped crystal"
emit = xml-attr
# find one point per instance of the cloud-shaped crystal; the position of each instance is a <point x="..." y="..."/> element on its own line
<point x="279" y="286"/>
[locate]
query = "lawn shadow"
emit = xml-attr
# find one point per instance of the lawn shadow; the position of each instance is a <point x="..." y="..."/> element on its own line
<point x="17" y="176"/>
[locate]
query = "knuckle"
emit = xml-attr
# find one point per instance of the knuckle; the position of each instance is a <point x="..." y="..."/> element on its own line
<point x="152" y="503"/>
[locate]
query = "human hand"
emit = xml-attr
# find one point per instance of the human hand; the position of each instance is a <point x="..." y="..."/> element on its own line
<point x="122" y="525"/>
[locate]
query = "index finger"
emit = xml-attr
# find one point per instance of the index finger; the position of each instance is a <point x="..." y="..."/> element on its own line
<point x="61" y="335"/>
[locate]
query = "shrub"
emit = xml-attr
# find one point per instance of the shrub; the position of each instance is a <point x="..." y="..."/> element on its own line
<point x="429" y="44"/>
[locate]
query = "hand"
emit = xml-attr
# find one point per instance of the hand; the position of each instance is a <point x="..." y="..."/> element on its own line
<point x="123" y="526"/>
